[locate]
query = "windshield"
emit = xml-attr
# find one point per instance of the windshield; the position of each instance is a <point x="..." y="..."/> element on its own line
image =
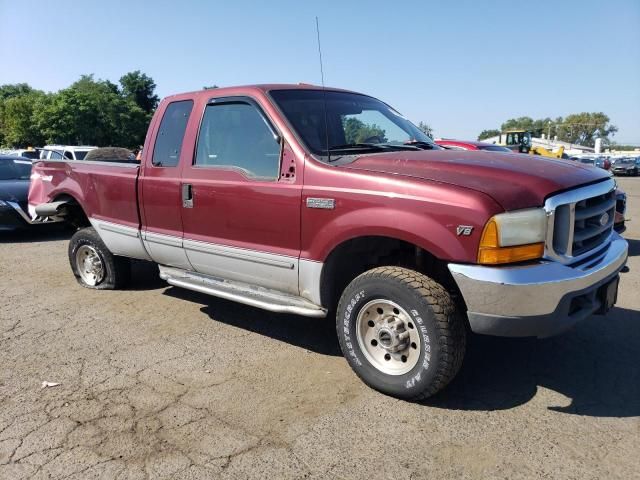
<point x="624" y="161"/>
<point x="587" y="160"/>
<point x="11" y="169"/>
<point x="34" y="154"/>
<point x="352" y="122"/>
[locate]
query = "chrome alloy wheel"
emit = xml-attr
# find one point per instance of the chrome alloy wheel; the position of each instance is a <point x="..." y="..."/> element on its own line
<point x="89" y="265"/>
<point x="388" y="337"/>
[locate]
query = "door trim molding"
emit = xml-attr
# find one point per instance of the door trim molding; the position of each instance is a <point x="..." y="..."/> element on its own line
<point x="162" y="239"/>
<point x="253" y="256"/>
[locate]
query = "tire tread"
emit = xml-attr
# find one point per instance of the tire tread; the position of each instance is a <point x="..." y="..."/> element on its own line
<point x="451" y="334"/>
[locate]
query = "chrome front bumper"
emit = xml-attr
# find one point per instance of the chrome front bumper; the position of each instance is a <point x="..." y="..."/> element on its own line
<point x="538" y="300"/>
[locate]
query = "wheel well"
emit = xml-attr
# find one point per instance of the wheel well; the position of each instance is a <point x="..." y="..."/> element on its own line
<point x="73" y="213"/>
<point x="356" y="256"/>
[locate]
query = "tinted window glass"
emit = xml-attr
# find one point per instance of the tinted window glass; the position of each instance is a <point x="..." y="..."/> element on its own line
<point x="80" y="155"/>
<point x="237" y="135"/>
<point x="15" y="169"/>
<point x="166" y="152"/>
<point x="341" y="119"/>
<point x="68" y="154"/>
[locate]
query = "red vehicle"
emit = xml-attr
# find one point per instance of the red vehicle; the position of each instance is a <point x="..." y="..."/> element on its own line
<point x="309" y="201"/>
<point x="471" y="145"/>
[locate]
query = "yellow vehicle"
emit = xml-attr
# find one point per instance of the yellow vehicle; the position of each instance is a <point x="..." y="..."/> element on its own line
<point x="547" y="153"/>
<point x="519" y="141"/>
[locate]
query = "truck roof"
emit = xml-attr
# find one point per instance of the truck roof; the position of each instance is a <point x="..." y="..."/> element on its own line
<point x="264" y="87"/>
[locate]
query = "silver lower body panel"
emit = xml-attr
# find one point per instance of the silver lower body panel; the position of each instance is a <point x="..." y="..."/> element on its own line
<point x="536" y="300"/>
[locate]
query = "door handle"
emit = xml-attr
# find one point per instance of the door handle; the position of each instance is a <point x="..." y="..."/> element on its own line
<point x="187" y="195"/>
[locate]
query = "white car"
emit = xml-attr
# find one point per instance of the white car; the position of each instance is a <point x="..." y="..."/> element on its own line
<point x="65" y="152"/>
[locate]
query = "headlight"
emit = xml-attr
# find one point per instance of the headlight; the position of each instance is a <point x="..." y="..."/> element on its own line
<point x="513" y="237"/>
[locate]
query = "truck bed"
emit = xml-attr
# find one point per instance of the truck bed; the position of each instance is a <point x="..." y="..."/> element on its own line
<point x="106" y="189"/>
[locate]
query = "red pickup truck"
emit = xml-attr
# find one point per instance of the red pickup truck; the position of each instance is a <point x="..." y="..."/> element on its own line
<point x="298" y="199"/>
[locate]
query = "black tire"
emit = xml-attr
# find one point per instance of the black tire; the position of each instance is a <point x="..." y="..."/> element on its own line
<point x="116" y="270"/>
<point x="433" y="312"/>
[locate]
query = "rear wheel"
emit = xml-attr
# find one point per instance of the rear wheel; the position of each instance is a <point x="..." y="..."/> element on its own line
<point x="93" y="265"/>
<point x="401" y="332"/>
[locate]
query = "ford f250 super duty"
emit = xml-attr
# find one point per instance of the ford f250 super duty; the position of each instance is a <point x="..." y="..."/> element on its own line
<point x="311" y="201"/>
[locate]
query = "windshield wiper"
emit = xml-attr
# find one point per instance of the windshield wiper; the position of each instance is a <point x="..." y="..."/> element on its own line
<point x="402" y="146"/>
<point x="358" y="146"/>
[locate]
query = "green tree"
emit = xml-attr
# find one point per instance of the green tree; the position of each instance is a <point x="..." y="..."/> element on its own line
<point x="140" y="88"/>
<point x="426" y="128"/>
<point x="14" y="90"/>
<point x="583" y="128"/>
<point x="536" y="127"/>
<point x="8" y="91"/>
<point x="488" y="134"/>
<point x="19" y="127"/>
<point x="579" y="128"/>
<point x="92" y="112"/>
<point x="356" y="131"/>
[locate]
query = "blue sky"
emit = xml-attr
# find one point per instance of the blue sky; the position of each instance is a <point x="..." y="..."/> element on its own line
<point x="461" y="66"/>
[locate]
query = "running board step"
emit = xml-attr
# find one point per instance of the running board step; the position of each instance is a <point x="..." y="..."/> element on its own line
<point x="242" y="293"/>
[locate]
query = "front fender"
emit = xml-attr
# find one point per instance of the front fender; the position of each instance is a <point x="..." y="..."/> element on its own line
<point x="435" y="233"/>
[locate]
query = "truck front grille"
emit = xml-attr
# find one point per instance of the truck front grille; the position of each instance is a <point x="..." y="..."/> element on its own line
<point x="580" y="221"/>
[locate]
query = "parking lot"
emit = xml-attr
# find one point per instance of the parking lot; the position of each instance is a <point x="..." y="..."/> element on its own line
<point x="157" y="381"/>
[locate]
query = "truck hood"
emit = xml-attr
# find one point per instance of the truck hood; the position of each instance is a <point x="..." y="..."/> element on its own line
<point x="513" y="180"/>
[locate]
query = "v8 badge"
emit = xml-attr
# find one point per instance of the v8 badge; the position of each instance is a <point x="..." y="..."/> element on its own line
<point x="464" y="230"/>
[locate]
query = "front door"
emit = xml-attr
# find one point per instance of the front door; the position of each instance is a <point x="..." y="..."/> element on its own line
<point x="241" y="214"/>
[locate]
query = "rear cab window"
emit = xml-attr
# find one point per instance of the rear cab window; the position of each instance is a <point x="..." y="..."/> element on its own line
<point x="168" y="144"/>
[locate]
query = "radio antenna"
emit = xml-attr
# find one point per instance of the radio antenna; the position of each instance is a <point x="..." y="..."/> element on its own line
<point x="324" y="93"/>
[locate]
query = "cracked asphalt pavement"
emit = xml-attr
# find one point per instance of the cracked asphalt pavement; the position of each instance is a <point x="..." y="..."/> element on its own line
<point x="159" y="382"/>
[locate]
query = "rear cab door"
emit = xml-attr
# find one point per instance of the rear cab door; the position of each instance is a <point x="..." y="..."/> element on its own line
<point x="171" y="144"/>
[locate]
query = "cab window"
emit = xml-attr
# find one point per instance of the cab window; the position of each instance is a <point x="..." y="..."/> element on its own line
<point x="236" y="135"/>
<point x="166" y="151"/>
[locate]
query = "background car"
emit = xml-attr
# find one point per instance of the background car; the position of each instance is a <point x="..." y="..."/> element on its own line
<point x="600" y="162"/>
<point x="66" y="152"/>
<point x="15" y="172"/>
<point x="470" y="145"/>
<point x="32" y="153"/>
<point x="625" y="166"/>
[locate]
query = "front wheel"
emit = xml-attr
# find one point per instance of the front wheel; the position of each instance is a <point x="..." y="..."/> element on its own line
<point x="93" y="265"/>
<point x="401" y="332"/>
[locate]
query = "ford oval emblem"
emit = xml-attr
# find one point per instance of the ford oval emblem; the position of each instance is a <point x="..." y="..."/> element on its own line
<point x="604" y="219"/>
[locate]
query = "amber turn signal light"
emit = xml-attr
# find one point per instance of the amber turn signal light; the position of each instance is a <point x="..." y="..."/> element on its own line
<point x="491" y="253"/>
